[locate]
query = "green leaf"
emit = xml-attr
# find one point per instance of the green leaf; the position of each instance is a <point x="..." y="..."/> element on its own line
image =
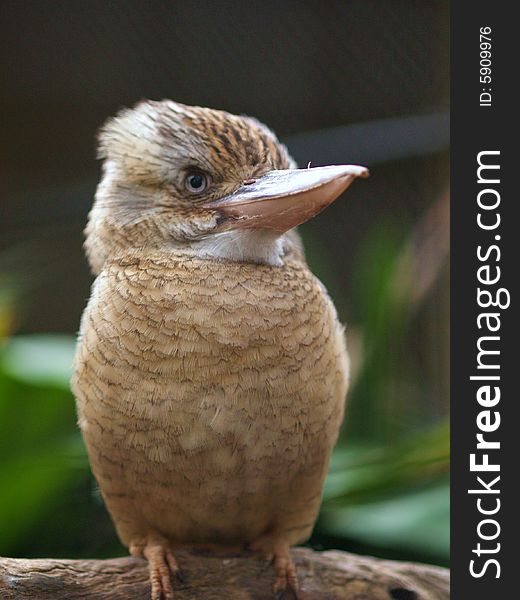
<point x="365" y="473"/>
<point x="39" y="359"/>
<point x="417" y="521"/>
<point x="42" y="455"/>
<point x="31" y="485"/>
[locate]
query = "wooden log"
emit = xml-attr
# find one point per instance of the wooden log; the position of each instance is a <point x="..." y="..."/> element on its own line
<point x="331" y="575"/>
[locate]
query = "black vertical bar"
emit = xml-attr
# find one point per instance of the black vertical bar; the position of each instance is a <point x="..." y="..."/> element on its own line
<point x="487" y="123"/>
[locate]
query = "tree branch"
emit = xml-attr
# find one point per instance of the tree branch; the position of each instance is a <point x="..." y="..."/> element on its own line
<point x="332" y="575"/>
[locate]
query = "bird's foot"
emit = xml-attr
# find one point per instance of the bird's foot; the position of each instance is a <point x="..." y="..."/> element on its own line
<point x="161" y="564"/>
<point x="278" y="553"/>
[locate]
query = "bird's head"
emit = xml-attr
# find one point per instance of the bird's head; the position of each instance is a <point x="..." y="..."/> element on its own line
<point x="198" y="179"/>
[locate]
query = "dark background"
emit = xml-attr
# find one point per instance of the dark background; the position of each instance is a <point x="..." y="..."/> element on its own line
<point x="340" y="82"/>
<point x="297" y="66"/>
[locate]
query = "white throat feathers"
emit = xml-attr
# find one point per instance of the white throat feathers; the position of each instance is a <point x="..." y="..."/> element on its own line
<point x="261" y="246"/>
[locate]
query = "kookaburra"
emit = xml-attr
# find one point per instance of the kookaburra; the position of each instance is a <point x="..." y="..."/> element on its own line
<point x="211" y="368"/>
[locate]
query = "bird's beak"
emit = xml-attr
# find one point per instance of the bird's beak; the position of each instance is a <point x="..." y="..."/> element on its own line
<point x="281" y="200"/>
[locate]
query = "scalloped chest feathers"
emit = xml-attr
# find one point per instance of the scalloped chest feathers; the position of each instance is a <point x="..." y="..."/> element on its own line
<point x="201" y="382"/>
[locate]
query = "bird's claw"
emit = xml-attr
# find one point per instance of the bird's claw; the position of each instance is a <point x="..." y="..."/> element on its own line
<point x="180" y="576"/>
<point x="278" y="553"/>
<point x="285" y="591"/>
<point x="287" y="594"/>
<point x="161" y="565"/>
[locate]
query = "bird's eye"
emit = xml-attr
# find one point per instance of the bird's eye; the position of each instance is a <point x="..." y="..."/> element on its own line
<point x="196" y="182"/>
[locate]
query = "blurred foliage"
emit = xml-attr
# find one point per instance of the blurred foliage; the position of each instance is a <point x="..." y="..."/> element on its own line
<point x="41" y="453"/>
<point x="395" y="497"/>
<point x="387" y="491"/>
<point x="388" y="485"/>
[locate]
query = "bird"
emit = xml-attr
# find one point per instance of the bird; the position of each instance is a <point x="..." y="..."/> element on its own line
<point x="211" y="368"/>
